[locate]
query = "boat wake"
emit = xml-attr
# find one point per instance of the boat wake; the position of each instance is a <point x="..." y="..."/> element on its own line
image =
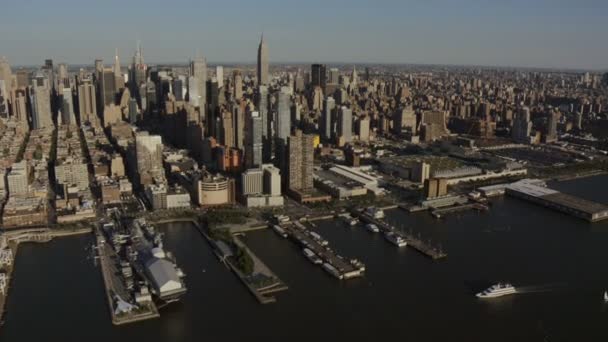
<point x="553" y="287"/>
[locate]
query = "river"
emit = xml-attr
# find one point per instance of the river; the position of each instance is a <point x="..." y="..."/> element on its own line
<point x="559" y="262"/>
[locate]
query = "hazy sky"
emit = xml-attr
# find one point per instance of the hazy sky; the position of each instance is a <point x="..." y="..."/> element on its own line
<point x="543" y="33"/>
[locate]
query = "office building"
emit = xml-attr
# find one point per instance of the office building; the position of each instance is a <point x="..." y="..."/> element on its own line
<point x="318" y="76"/>
<point x="263" y="63"/>
<point x="87" y="102"/>
<point x="198" y="69"/>
<point x="67" y="107"/>
<point x="345" y="126"/>
<point x="283" y="124"/>
<point x="254" y="142"/>
<point x="522" y="126"/>
<point x="329" y="104"/>
<point x="41" y="106"/>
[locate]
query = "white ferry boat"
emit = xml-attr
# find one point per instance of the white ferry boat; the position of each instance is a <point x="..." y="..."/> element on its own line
<point x="279" y="231"/>
<point x="332" y="270"/>
<point x="375" y="212"/>
<point x="372" y="228"/>
<point x="312" y="256"/>
<point x="497" y="290"/>
<point x="395" y="239"/>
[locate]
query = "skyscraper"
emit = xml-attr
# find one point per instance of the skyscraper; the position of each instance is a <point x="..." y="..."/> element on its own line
<point x="318" y="76"/>
<point x="109" y="87"/>
<point x="334" y="76"/>
<point x="237" y="78"/>
<point x="522" y="126"/>
<point x="6" y="74"/>
<point x="67" y="107"/>
<point x="119" y="81"/>
<point x="551" y="130"/>
<point x="149" y="152"/>
<point x="300" y="162"/>
<point x="263" y="62"/>
<point x="253" y="145"/>
<point x="41" y="106"/>
<point x="219" y="75"/>
<point x="329" y="104"/>
<point x="283" y="124"/>
<point x="345" y="126"/>
<point x="87" y="103"/>
<point x="198" y="69"/>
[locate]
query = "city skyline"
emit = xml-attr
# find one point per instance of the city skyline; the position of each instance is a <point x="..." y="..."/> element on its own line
<point x="519" y="34"/>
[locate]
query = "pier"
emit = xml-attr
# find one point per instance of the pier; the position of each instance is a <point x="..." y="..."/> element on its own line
<point x="441" y="212"/>
<point x="115" y="286"/>
<point x="416" y="243"/>
<point x="301" y="235"/>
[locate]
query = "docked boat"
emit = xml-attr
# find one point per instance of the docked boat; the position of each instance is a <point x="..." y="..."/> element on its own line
<point x="358" y="264"/>
<point x="372" y="228"/>
<point x="497" y="290"/>
<point x="606" y="296"/>
<point x="312" y="256"/>
<point x="349" y="220"/>
<point x="395" y="239"/>
<point x="332" y="270"/>
<point x="374" y="212"/>
<point x="279" y="231"/>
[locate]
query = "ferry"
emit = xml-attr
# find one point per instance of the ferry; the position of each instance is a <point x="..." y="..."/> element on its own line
<point x="333" y="271"/>
<point x="372" y="228"/>
<point x="279" y="231"/>
<point x="312" y="256"/>
<point x="375" y="212"/>
<point x="497" y="290"/>
<point x="395" y="239"/>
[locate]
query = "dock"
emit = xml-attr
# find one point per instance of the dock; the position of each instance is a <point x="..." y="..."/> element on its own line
<point x="441" y="212"/>
<point x="333" y="263"/>
<point x="413" y="242"/>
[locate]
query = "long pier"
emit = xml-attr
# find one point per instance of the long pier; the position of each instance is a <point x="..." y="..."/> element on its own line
<point x="415" y="243"/>
<point x="440" y="212"/>
<point x="344" y="269"/>
<point x="114" y="286"/>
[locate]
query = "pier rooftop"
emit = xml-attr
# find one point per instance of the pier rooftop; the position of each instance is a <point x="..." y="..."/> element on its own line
<point x="537" y="192"/>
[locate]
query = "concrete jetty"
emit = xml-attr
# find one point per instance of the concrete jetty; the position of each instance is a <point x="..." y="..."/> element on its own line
<point x="333" y="263"/>
<point x="413" y="242"/>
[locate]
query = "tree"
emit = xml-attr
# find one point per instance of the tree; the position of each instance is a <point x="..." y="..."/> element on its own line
<point x="244" y="262"/>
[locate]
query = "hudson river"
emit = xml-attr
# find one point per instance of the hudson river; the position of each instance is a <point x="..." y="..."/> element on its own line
<point x="559" y="262"/>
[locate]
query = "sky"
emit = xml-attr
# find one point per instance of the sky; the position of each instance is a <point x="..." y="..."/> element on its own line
<point x="532" y="33"/>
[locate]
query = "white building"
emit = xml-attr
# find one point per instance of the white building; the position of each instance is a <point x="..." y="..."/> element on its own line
<point x="262" y="187"/>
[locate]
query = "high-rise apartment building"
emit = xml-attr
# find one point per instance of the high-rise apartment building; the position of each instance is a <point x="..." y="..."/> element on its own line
<point x="300" y="161"/>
